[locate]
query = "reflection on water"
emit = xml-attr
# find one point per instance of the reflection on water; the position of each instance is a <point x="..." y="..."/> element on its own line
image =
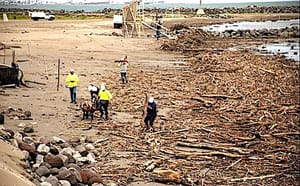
<point x="289" y="49"/>
<point x="247" y="25"/>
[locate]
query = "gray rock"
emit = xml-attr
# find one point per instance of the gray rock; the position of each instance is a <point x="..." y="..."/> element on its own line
<point x="67" y="175"/>
<point x="64" y="158"/>
<point x="52" y="180"/>
<point x="54" y="171"/>
<point x="82" y="150"/>
<point x="76" y="173"/>
<point x="75" y="166"/>
<point x="36" y="182"/>
<point x="42" y="171"/>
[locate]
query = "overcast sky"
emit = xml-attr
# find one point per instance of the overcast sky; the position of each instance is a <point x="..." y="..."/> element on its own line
<point x="219" y="1"/>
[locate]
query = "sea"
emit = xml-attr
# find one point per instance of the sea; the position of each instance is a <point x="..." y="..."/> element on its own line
<point x="99" y="7"/>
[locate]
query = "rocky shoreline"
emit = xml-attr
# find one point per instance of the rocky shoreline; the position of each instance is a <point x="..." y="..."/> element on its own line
<point x="53" y="162"/>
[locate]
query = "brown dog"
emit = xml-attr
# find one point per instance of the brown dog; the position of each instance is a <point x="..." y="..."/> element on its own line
<point x="88" y="110"/>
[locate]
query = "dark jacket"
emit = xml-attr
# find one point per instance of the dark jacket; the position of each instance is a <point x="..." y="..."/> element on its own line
<point x="153" y="111"/>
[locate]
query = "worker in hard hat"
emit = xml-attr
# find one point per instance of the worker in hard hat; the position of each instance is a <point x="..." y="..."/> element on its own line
<point x="104" y="97"/>
<point x="123" y="69"/>
<point x="72" y="82"/>
<point x="151" y="114"/>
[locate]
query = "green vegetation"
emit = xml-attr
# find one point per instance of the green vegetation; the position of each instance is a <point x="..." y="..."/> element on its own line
<point x="16" y="15"/>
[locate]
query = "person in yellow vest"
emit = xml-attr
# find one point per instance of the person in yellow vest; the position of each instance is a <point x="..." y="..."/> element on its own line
<point x="104" y="97"/>
<point x="72" y="82"/>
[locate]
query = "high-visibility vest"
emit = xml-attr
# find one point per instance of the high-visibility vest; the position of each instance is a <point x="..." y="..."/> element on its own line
<point x="104" y="95"/>
<point x="72" y="80"/>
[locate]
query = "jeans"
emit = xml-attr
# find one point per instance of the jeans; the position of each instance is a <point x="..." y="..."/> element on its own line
<point x="149" y="119"/>
<point x="123" y="77"/>
<point x="73" y="94"/>
<point x="103" y="104"/>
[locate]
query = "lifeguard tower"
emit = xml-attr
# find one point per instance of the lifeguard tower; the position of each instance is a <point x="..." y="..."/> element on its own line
<point x="133" y="17"/>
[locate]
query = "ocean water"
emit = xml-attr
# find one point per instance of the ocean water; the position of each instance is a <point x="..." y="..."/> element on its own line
<point x="99" y="7"/>
<point x="247" y="25"/>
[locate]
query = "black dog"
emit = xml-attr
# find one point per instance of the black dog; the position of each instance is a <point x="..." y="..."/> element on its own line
<point x="88" y="110"/>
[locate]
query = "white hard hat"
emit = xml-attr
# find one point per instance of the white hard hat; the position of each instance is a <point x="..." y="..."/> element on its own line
<point x="151" y="100"/>
<point x="102" y="87"/>
<point x="71" y="70"/>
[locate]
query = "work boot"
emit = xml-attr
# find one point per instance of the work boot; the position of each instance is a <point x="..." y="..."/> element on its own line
<point x="106" y="117"/>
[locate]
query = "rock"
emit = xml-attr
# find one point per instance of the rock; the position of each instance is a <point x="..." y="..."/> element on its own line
<point x="89" y="146"/>
<point x="98" y="184"/>
<point x="58" y="140"/>
<point x="67" y="150"/>
<point x="91" y="157"/>
<point x="67" y="175"/>
<point x="2" y="119"/>
<point x="54" y="171"/>
<point x="76" y="173"/>
<point x="90" y="177"/>
<point x="39" y="159"/>
<point x="42" y="171"/>
<point x="71" y="159"/>
<point x="64" y="183"/>
<point x="54" y="150"/>
<point x="28" y="140"/>
<point x="74" y="140"/>
<point x="45" y="184"/>
<point x="36" y="182"/>
<point x="53" y="160"/>
<point x="64" y="158"/>
<point x="28" y="130"/>
<point x="52" y="180"/>
<point x="29" y="148"/>
<point x="75" y="166"/>
<point x="95" y="179"/>
<point x="82" y="150"/>
<point x="84" y="160"/>
<point x="21" y="125"/>
<point x="43" y="149"/>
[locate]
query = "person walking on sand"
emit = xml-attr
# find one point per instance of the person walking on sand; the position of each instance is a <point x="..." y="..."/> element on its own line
<point x="151" y="114"/>
<point x="72" y="82"/>
<point x="104" y="97"/>
<point x="123" y="69"/>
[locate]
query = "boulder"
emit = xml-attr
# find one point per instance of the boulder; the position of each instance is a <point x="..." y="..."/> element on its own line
<point x="82" y="150"/>
<point x="28" y="130"/>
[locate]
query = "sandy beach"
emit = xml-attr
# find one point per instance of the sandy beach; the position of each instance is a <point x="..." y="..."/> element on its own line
<point x="89" y="48"/>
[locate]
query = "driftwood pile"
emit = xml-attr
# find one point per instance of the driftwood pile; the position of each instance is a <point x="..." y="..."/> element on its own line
<point x="228" y="118"/>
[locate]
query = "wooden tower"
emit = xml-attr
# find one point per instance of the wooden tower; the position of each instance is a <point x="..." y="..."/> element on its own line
<point x="133" y="16"/>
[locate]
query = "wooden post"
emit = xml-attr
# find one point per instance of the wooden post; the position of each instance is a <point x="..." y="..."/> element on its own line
<point x="14" y="56"/>
<point x="4" y="55"/>
<point x="58" y="74"/>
